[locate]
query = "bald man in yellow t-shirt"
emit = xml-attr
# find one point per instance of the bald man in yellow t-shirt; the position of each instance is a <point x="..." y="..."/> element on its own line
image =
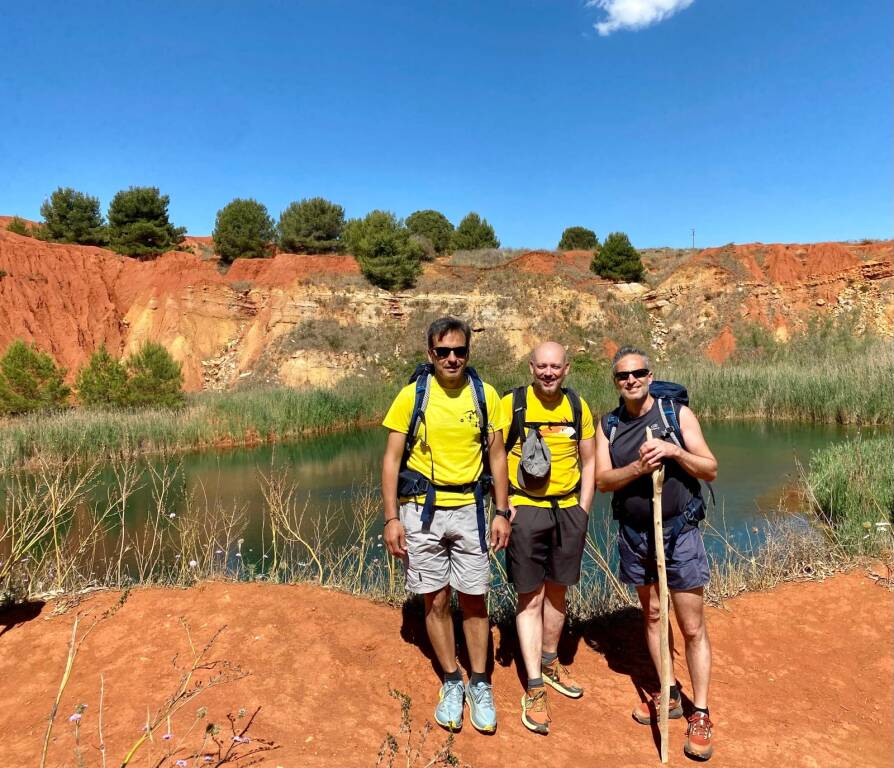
<point x="549" y="525"/>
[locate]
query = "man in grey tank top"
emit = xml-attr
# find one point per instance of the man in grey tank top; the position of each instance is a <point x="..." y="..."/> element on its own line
<point x="625" y="461"/>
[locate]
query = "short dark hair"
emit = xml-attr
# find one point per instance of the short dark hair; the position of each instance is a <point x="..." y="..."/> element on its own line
<point x="625" y="351"/>
<point x="447" y="324"/>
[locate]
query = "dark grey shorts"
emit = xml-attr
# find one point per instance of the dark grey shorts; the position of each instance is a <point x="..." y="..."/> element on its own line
<point x="687" y="569"/>
<point x="539" y="550"/>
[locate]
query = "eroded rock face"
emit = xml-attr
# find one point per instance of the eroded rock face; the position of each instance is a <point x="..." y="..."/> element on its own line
<point x="259" y="319"/>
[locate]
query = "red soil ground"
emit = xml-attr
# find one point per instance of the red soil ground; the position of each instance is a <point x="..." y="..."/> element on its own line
<point x="802" y="677"/>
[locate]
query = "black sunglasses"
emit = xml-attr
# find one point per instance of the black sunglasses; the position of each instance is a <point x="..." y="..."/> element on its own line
<point x="639" y="373"/>
<point x="444" y="352"/>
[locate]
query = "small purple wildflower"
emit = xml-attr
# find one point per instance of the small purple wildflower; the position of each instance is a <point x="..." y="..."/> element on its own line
<point x="193" y="563"/>
<point x="167" y="736"/>
<point x="241" y="739"/>
<point x="75" y="718"/>
<point x="181" y="763"/>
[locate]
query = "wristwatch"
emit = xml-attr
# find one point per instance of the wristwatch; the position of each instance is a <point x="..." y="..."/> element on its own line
<point x="507" y="513"/>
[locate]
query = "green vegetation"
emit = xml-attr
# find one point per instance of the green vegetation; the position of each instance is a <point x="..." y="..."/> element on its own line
<point x="30" y="381"/>
<point x="618" y="260"/>
<point x="139" y="224"/>
<point x="473" y="233"/>
<point x="18" y="226"/>
<point x="314" y="225"/>
<point x="103" y="381"/>
<point x="434" y="227"/>
<point x="243" y="230"/>
<point x="850" y="486"/>
<point x="154" y="378"/>
<point x="73" y="217"/>
<point x="578" y="239"/>
<point x="388" y="257"/>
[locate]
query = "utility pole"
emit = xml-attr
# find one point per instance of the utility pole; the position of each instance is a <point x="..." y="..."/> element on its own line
<point x="693" y="237"/>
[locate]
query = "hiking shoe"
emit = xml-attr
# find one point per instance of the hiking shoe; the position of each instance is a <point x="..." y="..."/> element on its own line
<point x="646" y="712"/>
<point x="482" y="711"/>
<point x="449" y="712"/>
<point x="698" y="736"/>
<point x="535" y="710"/>
<point x="558" y="677"/>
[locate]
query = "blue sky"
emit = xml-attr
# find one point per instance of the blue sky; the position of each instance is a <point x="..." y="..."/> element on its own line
<point x="759" y="120"/>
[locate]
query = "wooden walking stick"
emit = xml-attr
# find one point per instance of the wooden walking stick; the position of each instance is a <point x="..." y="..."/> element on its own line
<point x="666" y="666"/>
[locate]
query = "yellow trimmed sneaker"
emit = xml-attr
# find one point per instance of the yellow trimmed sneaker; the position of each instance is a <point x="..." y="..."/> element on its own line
<point x="698" y="736"/>
<point x="558" y="677"/>
<point x="535" y="710"/>
<point x="646" y="712"/>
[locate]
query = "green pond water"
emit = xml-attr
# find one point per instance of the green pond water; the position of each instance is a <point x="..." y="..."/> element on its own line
<point x="757" y="462"/>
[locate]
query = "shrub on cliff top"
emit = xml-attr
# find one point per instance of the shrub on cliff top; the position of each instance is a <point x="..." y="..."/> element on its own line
<point x="472" y="233"/>
<point x="618" y="259"/>
<point x="382" y="245"/>
<point x="432" y="225"/>
<point x="103" y="381"/>
<point x="139" y="225"/>
<point x="18" y="226"/>
<point x="243" y="230"/>
<point x="312" y="225"/>
<point x="73" y="217"/>
<point x="154" y="378"/>
<point x="578" y="239"/>
<point x="30" y="381"/>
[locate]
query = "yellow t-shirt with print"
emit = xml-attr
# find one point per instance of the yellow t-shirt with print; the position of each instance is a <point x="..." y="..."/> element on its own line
<point x="564" y="472"/>
<point x="448" y="444"/>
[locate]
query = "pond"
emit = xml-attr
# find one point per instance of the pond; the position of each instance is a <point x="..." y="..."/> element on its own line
<point x="757" y="462"/>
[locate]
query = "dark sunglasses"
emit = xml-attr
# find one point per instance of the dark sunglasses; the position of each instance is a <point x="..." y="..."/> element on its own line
<point x="442" y="353"/>
<point x="639" y="373"/>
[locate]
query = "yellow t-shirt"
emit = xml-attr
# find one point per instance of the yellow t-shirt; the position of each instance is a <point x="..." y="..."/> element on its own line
<point x="448" y="444"/>
<point x="564" y="465"/>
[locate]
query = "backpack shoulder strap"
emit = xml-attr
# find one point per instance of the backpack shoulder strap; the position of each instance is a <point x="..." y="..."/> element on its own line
<point x="480" y="400"/>
<point x="422" y="380"/>
<point x="610" y="424"/>
<point x="670" y="416"/>
<point x="517" y="425"/>
<point x="577" y="411"/>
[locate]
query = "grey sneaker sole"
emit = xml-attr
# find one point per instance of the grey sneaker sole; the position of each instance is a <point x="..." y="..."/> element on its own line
<point x="571" y="693"/>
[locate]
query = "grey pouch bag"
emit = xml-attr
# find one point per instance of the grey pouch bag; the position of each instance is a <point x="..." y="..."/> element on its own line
<point x="535" y="463"/>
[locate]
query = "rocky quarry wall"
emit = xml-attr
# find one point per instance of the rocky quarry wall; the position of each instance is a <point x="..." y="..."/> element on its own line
<point x="309" y="320"/>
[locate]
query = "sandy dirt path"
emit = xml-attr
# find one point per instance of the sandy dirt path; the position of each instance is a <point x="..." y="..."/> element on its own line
<point x="802" y="677"/>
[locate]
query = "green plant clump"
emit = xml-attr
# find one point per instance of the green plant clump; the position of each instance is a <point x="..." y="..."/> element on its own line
<point x="103" y="381"/>
<point x="434" y="227"/>
<point x="139" y="224"/>
<point x="18" y="226"/>
<point x="578" y="239"/>
<point x="30" y="381"/>
<point x="73" y="217"/>
<point x="618" y="260"/>
<point x="243" y="230"/>
<point x="388" y="256"/>
<point x="851" y="487"/>
<point x="154" y="378"/>
<point x="472" y="233"/>
<point x="313" y="225"/>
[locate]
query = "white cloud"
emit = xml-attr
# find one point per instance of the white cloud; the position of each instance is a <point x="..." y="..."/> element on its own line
<point x="635" y="14"/>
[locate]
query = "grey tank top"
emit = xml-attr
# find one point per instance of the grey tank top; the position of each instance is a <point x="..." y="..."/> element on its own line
<point x="632" y="504"/>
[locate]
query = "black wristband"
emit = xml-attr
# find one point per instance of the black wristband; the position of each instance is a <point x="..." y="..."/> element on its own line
<point x="389" y="520"/>
<point x="507" y="513"/>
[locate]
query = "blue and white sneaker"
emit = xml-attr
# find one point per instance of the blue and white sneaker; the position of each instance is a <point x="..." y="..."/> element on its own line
<point x="482" y="711"/>
<point x="449" y="712"/>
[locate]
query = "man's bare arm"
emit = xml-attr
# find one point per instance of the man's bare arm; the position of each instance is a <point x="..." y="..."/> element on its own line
<point x="587" y="450"/>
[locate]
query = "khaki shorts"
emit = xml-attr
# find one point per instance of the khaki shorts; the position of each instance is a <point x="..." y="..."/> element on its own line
<point x="448" y="553"/>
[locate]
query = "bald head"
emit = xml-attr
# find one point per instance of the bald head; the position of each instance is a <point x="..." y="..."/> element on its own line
<point x="549" y="367"/>
<point x="549" y="352"/>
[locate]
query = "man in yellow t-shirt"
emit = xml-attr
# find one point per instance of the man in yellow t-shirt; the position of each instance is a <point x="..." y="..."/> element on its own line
<point x="434" y="479"/>
<point x="551" y="458"/>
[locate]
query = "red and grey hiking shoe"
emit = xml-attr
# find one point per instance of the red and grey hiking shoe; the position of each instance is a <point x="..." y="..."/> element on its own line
<point x="558" y="676"/>
<point x="535" y="710"/>
<point x="698" y="736"/>
<point x="646" y="712"/>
